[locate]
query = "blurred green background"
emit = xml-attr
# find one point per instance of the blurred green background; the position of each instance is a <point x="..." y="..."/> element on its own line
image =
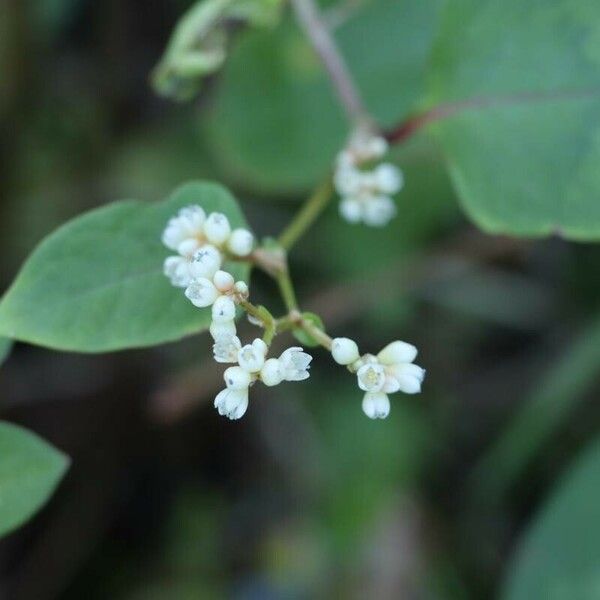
<point x="474" y="489"/>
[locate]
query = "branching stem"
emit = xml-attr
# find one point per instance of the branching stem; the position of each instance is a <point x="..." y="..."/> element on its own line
<point x="313" y="23"/>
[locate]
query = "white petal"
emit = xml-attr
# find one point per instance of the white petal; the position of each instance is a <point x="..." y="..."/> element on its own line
<point x="237" y="378"/>
<point x="176" y="268"/>
<point x="240" y="242"/>
<point x="226" y="348"/>
<point x="397" y="352"/>
<point x="251" y="359"/>
<point x="272" y="372"/>
<point x="217" y="228"/>
<point x="188" y="247"/>
<point x="389" y="178"/>
<point x="222" y="328"/>
<point x="376" y="405"/>
<point x="344" y="351"/>
<point x="379" y="211"/>
<point x="223" y="281"/>
<point x="201" y="292"/>
<point x="409" y="376"/>
<point x="351" y="209"/>
<point x="206" y="262"/>
<point x="223" y="309"/>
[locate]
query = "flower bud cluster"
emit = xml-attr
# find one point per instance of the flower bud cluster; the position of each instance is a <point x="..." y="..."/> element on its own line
<point x="391" y="370"/>
<point x="364" y="184"/>
<point x="252" y="366"/>
<point x="201" y="243"/>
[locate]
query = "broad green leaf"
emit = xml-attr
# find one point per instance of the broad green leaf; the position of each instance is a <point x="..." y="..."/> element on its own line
<point x="523" y="145"/>
<point x="277" y="125"/>
<point x="558" y="558"/>
<point x="30" y="470"/>
<point x="5" y="348"/>
<point x="96" y="284"/>
<point x="552" y="400"/>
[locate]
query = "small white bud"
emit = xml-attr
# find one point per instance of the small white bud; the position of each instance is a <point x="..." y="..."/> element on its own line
<point x="344" y="351"/>
<point x="241" y="287"/>
<point x="176" y="268"/>
<point x="218" y="329"/>
<point x="295" y="364"/>
<point x="397" y="352"/>
<point x="376" y="147"/>
<point x="272" y="372"/>
<point x="237" y="378"/>
<point x="206" y="261"/>
<point x="347" y="181"/>
<point x="217" y="228"/>
<point x="371" y="377"/>
<point x="223" y="309"/>
<point x="379" y="211"/>
<point x="173" y="234"/>
<point x="241" y="241"/>
<point x="389" y="178"/>
<point x="191" y="219"/>
<point x="409" y="377"/>
<point x="223" y="281"/>
<point x="251" y="358"/>
<point x="188" y="247"/>
<point x="260" y="346"/>
<point x="351" y="209"/>
<point x="232" y="403"/>
<point x="201" y="292"/>
<point x="376" y="405"/>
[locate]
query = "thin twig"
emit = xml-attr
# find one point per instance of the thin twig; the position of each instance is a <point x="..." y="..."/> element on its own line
<point x="313" y="23"/>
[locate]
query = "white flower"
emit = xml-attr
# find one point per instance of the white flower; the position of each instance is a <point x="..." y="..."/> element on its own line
<point x="202" y="292"/>
<point x="405" y="376"/>
<point x="365" y="194"/>
<point x="227" y="347"/>
<point x="344" y="351"/>
<point x="223" y="309"/>
<point x="205" y="262"/>
<point x="177" y="269"/>
<point x="217" y="228"/>
<point x="223" y="281"/>
<point x="186" y="224"/>
<point x="371" y="377"/>
<point x="295" y="364"/>
<point x="240" y="242"/>
<point x="376" y="405"/>
<point x="252" y="356"/>
<point x="232" y="403"/>
<point x="237" y="378"/>
<point x="272" y="372"/>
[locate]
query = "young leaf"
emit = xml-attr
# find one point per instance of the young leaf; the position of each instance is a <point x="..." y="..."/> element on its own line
<point x="304" y="338"/>
<point x="96" y="284"/>
<point x="30" y="470"/>
<point x="559" y="556"/>
<point x="524" y="145"/>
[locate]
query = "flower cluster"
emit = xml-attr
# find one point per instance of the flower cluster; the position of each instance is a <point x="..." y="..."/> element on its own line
<point x="365" y="192"/>
<point x="392" y="370"/>
<point x="201" y="243"/>
<point x="252" y="366"/>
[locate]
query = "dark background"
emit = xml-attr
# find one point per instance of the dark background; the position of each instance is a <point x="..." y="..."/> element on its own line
<point x="305" y="497"/>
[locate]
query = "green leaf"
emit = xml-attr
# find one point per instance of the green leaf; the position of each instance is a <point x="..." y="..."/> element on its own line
<point x="558" y="558"/>
<point x="96" y="284"/>
<point x="30" y="470"/>
<point x="303" y="337"/>
<point x="5" y="348"/>
<point x="523" y="82"/>
<point x="277" y="125"/>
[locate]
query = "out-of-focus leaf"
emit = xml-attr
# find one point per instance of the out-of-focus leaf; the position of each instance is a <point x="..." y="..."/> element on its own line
<point x="198" y="46"/>
<point x="5" y="348"/>
<point x="276" y="123"/>
<point x="30" y="470"/>
<point x="550" y="402"/>
<point x="558" y="557"/>
<point x="524" y="146"/>
<point x="96" y="284"/>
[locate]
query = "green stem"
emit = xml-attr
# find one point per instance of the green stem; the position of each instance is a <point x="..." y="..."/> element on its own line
<point x="264" y="316"/>
<point x="287" y="290"/>
<point x="306" y="216"/>
<point x="315" y="332"/>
